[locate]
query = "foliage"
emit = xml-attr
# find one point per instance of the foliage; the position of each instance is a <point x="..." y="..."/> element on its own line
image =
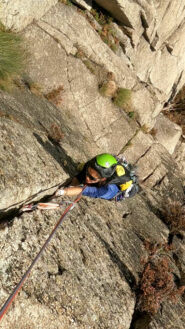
<point x="89" y="66"/>
<point x="107" y="33"/>
<point x="131" y="114"/>
<point x="122" y="98"/>
<point x="101" y="18"/>
<point x="175" y="112"/>
<point x="12" y="56"/>
<point x="66" y="2"/>
<point x="174" y="216"/>
<point x="55" y="95"/>
<point x="157" y="280"/>
<point x="55" y="133"/>
<point x="108" y="36"/>
<point x="114" y="47"/>
<point x="80" y="54"/>
<point x="36" y="89"/>
<point x="103" y="89"/>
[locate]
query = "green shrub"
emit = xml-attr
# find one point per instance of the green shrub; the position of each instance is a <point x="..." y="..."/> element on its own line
<point x="101" y="18"/>
<point x="103" y="89"/>
<point x="12" y="55"/>
<point x="131" y="115"/>
<point x="122" y="98"/>
<point x="89" y="66"/>
<point x="114" y="47"/>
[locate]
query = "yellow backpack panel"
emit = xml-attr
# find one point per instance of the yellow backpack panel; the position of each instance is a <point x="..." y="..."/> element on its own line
<point x="120" y="171"/>
<point x="124" y="186"/>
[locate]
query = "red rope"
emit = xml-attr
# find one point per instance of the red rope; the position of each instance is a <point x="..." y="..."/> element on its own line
<point x="9" y="301"/>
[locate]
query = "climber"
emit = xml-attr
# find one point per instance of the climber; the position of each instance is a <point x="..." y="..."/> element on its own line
<point x="106" y="177"/>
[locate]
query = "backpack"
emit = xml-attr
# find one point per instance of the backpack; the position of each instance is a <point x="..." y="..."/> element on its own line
<point x="125" y="178"/>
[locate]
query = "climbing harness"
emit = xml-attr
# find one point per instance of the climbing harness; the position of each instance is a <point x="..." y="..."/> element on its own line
<point x="9" y="301"/>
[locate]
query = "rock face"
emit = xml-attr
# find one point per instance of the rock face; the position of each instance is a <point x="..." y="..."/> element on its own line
<point x="167" y="133"/>
<point x="56" y="117"/>
<point x="153" y="47"/>
<point x="150" y="56"/>
<point x="85" y="4"/>
<point x="27" y="155"/>
<point x="180" y="156"/>
<point x="79" y="284"/>
<point x="16" y="15"/>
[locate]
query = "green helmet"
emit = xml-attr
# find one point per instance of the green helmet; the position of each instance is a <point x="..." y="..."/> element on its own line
<point x="105" y="164"/>
<point x="106" y="160"/>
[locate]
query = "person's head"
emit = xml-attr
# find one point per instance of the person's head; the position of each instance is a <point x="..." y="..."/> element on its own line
<point x="100" y="168"/>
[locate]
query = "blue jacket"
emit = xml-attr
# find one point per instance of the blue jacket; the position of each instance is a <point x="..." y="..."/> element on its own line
<point x="105" y="192"/>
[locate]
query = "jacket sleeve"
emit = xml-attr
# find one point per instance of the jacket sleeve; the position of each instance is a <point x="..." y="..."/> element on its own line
<point x="105" y="192"/>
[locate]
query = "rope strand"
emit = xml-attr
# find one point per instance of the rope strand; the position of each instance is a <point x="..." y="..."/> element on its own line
<point x="9" y="301"/>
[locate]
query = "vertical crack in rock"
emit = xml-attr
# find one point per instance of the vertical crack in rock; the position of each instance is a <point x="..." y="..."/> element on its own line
<point x="151" y="174"/>
<point x="143" y="155"/>
<point x="174" y="89"/>
<point x="140" y="320"/>
<point x="7" y="215"/>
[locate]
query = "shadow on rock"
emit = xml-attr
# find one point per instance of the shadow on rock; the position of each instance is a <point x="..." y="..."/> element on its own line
<point x="59" y="154"/>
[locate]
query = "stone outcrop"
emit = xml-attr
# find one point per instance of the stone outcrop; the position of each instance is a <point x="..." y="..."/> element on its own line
<point x="155" y="42"/>
<point x="180" y="156"/>
<point x="26" y="151"/>
<point x="167" y="133"/>
<point x="149" y="59"/>
<point x="54" y="118"/>
<point x="60" y="24"/>
<point x="84" y="126"/>
<point x="87" y="276"/>
<point x="85" y="4"/>
<point x="16" y="15"/>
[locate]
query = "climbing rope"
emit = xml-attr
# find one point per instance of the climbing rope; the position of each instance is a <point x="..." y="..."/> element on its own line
<point x="9" y="301"/>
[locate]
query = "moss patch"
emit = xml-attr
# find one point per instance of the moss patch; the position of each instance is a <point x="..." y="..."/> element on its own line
<point x="89" y="66"/>
<point x="12" y="57"/>
<point x="123" y="98"/>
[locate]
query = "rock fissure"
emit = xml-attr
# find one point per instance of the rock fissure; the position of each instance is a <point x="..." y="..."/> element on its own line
<point x="152" y="173"/>
<point x="8" y="215"/>
<point x="53" y="37"/>
<point x="55" y="29"/>
<point x="144" y="154"/>
<point x="91" y="102"/>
